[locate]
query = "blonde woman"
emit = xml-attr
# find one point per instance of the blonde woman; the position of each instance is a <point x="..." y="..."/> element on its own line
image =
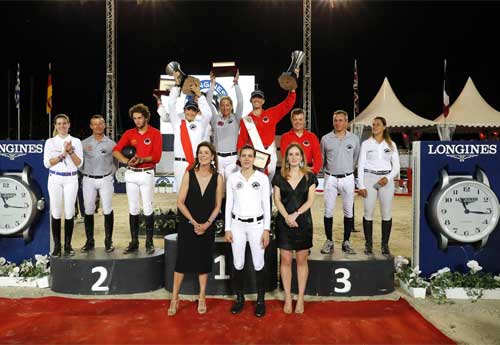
<point x="62" y="155"/>
<point x="294" y="191"/>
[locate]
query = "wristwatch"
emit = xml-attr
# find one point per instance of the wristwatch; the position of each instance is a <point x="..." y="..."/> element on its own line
<point x="21" y="203"/>
<point x="463" y="209"/>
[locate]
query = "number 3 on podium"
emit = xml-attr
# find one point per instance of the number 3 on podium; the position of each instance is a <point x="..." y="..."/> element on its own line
<point x="345" y="274"/>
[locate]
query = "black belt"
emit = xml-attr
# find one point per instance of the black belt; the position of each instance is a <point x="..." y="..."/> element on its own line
<point x="381" y="172"/>
<point x="180" y="159"/>
<point x="139" y="169"/>
<point x="97" y="176"/>
<point x="226" y="154"/>
<point x="339" y="175"/>
<point x="249" y="220"/>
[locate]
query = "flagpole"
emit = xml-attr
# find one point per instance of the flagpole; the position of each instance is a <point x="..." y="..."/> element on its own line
<point x="9" y="95"/>
<point x="48" y="105"/>
<point x="18" y="101"/>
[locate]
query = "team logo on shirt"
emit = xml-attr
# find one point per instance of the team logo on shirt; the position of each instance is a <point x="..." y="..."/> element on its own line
<point x="147" y="141"/>
<point x="306" y="143"/>
<point x="103" y="152"/>
<point x="349" y="147"/>
<point x="239" y="185"/>
<point x="192" y="126"/>
<point x="230" y="121"/>
<point x="386" y="150"/>
<point x="265" y="119"/>
<point x="220" y="123"/>
<point x="255" y="185"/>
<point x="133" y="142"/>
<point x="88" y="148"/>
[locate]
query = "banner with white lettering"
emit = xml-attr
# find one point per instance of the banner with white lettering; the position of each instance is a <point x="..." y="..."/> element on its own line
<point x="24" y="203"/>
<point x="455" y="205"/>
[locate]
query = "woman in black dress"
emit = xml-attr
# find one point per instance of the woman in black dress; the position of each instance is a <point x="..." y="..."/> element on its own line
<point x="294" y="191"/>
<point x="198" y="203"/>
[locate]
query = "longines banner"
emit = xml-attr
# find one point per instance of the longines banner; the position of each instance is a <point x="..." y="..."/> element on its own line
<point x="24" y="207"/>
<point x="455" y="205"/>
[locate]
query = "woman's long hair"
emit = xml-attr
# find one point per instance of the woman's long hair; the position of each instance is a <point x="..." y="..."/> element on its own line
<point x="285" y="166"/>
<point x="59" y="116"/>
<point x="386" y="135"/>
<point x="213" y="165"/>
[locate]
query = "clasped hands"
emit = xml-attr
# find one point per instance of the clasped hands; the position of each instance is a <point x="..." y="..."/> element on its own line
<point x="200" y="229"/>
<point x="382" y="182"/>
<point x="291" y="220"/>
<point x="134" y="161"/>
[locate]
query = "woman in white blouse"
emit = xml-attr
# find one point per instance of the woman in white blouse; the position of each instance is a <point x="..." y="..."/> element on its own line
<point x="62" y="155"/>
<point x="378" y="165"/>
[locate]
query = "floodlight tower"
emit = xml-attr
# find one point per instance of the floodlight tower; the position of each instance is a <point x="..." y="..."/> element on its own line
<point x="306" y="83"/>
<point x="111" y="97"/>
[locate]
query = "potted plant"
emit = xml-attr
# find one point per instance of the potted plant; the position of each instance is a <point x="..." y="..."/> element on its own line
<point x="409" y="278"/>
<point x="27" y="274"/>
<point x="169" y="187"/>
<point x="473" y="284"/>
<point x="162" y="187"/>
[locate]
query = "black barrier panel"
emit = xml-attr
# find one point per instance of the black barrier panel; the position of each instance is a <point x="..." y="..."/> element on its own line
<point x="219" y="280"/>
<point x="101" y="273"/>
<point x="347" y="275"/>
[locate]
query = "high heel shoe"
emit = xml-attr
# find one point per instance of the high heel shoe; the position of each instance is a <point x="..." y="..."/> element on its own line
<point x="287" y="308"/>
<point x="299" y="308"/>
<point x="202" y="306"/>
<point x="172" y="309"/>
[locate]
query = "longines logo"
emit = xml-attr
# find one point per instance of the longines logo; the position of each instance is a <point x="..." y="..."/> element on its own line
<point x="13" y="151"/>
<point x="219" y="89"/>
<point x="462" y="151"/>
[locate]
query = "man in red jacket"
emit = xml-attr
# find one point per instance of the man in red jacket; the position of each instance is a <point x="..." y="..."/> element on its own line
<point x="140" y="175"/>
<point x="308" y="140"/>
<point x="265" y="121"/>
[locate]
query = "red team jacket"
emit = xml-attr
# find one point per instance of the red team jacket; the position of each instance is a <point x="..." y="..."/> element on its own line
<point x="310" y="143"/>
<point x="147" y="144"/>
<point x="266" y="122"/>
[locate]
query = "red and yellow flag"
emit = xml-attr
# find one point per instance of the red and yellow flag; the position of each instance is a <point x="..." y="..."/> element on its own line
<point x="49" y="93"/>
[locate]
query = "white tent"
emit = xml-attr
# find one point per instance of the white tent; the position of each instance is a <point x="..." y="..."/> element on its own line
<point x="387" y="105"/>
<point x="471" y="110"/>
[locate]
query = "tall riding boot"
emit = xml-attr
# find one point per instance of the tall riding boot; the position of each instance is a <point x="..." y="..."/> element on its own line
<point x="56" y="236"/>
<point x="239" y="303"/>
<point x="328" y="245"/>
<point x="368" y="230"/>
<point x="386" y="233"/>
<point x="346" y="245"/>
<point x="260" y="307"/>
<point x="68" y="233"/>
<point x="133" y="245"/>
<point x="150" y="225"/>
<point x="89" y="232"/>
<point x="108" y="231"/>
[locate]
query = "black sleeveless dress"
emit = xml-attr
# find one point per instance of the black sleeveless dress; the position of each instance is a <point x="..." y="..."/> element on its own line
<point x="294" y="238"/>
<point x="195" y="252"/>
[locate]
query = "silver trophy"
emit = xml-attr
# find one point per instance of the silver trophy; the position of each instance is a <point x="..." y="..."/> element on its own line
<point x="186" y="82"/>
<point x="288" y="79"/>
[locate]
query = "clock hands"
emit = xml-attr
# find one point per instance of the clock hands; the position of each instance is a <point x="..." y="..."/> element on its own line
<point x="477" y="212"/>
<point x="465" y="205"/>
<point x="4" y="201"/>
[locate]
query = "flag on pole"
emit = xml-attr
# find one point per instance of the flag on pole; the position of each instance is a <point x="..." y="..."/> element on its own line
<point x="446" y="98"/>
<point x="17" y="89"/>
<point x="49" y="93"/>
<point x="355" y="89"/>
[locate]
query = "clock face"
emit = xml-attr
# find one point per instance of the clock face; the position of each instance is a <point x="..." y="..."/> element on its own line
<point x="17" y="205"/>
<point x="467" y="211"/>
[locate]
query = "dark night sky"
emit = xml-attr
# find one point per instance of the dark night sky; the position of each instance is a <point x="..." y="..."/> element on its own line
<point x="405" y="41"/>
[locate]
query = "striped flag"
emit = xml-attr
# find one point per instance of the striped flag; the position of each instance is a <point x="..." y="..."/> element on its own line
<point x="446" y="98"/>
<point x="17" y="89"/>
<point x="355" y="89"/>
<point x="49" y="92"/>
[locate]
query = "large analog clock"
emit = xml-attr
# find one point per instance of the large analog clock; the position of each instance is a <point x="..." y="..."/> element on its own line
<point x="20" y="203"/>
<point x="463" y="209"/>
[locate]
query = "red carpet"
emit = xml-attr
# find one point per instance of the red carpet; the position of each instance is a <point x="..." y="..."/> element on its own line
<point x="55" y="320"/>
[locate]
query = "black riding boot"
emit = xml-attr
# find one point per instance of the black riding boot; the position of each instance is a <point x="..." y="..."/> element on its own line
<point x="68" y="233"/>
<point x="328" y="223"/>
<point x="150" y="225"/>
<point x="368" y="230"/>
<point x="346" y="245"/>
<point x="56" y="236"/>
<point x="133" y="245"/>
<point x="260" y="307"/>
<point x="89" y="233"/>
<point x="108" y="231"/>
<point x="386" y="233"/>
<point x="239" y="303"/>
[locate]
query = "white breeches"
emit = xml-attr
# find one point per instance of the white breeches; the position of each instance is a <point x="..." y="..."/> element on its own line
<point x="179" y="170"/>
<point x="62" y="192"/>
<point x="343" y="186"/>
<point x="384" y="194"/>
<point x="227" y="165"/>
<point x="140" y="184"/>
<point x="105" y="187"/>
<point x="251" y="232"/>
